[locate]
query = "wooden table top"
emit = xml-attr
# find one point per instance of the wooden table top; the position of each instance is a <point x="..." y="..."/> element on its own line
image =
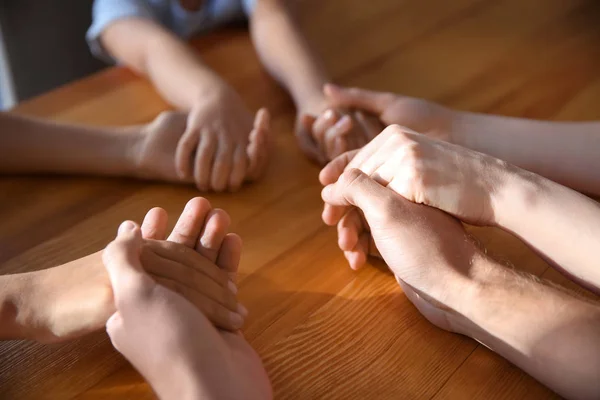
<point x="322" y="330"/>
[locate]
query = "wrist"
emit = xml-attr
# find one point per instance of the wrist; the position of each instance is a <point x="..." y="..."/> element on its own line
<point x="129" y="144"/>
<point x="518" y="193"/>
<point x="313" y="103"/>
<point x="471" y="302"/>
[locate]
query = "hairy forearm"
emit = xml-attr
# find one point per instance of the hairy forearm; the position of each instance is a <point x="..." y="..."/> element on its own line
<point x="174" y="68"/>
<point x="30" y="145"/>
<point x="287" y="55"/>
<point x="559" y="223"/>
<point x="548" y="332"/>
<point x="565" y="152"/>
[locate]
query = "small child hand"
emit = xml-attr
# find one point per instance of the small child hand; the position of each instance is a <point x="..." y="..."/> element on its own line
<point x="212" y="147"/>
<point x="337" y="131"/>
<point x="324" y="130"/>
<point x="221" y="147"/>
<point x="152" y="324"/>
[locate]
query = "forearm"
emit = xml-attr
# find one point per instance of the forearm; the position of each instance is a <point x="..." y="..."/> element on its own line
<point x="548" y="332"/>
<point x="566" y="153"/>
<point x="174" y="68"/>
<point x="30" y="145"/>
<point x="559" y="223"/>
<point x="286" y="54"/>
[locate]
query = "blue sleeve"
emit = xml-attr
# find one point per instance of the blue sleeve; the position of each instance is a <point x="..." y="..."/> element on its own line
<point x="248" y="6"/>
<point x="104" y="12"/>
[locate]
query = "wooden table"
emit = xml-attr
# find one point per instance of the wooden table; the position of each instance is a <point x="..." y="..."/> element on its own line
<point x="322" y="330"/>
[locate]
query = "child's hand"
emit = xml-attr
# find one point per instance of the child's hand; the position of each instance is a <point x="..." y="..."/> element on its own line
<point x="459" y="181"/>
<point x="153" y="324"/>
<point x="335" y="131"/>
<point x="220" y="147"/>
<point x="211" y="146"/>
<point x="420" y="115"/>
<point x="199" y="261"/>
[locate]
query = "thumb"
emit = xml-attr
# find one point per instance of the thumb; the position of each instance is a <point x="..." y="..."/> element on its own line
<point x="122" y="261"/>
<point x="262" y="121"/>
<point x="306" y="140"/>
<point x="259" y="144"/>
<point x="367" y="100"/>
<point x="355" y="188"/>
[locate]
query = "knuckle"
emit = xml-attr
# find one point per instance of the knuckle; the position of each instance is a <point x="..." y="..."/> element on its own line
<point x="352" y="177"/>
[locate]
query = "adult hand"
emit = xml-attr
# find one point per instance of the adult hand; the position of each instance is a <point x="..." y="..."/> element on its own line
<point x="153" y="324"/>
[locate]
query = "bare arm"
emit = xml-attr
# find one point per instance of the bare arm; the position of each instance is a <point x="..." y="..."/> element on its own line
<point x="561" y="224"/>
<point x="548" y="332"/>
<point x="174" y="68"/>
<point x="565" y="152"/>
<point x="287" y="56"/>
<point x="29" y="145"/>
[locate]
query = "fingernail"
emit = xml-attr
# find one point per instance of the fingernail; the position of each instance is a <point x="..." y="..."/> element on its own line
<point x="236" y="320"/>
<point x="329" y="114"/>
<point x="242" y="310"/>
<point x="232" y="287"/>
<point x="126" y="226"/>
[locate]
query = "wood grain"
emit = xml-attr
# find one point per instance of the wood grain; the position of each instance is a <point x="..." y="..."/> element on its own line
<point x="322" y="330"/>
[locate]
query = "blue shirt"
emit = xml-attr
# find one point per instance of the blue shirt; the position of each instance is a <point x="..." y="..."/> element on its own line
<point x="168" y="13"/>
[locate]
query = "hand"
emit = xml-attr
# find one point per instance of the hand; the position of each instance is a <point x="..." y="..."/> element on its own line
<point x="333" y="132"/>
<point x="215" y="148"/>
<point x="198" y="261"/>
<point x="459" y="181"/>
<point x="208" y="147"/>
<point x="423" y="116"/>
<point x="153" y="324"/>
<point x="427" y="250"/>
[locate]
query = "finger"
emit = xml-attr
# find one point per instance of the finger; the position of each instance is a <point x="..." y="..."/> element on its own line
<point x="184" y="153"/>
<point x="218" y="314"/>
<point x="262" y="121"/>
<point x="155" y="223"/>
<point x="357" y="257"/>
<point x="264" y="144"/>
<point x="307" y="142"/>
<point x="213" y="233"/>
<point x="335" y="168"/>
<point x="349" y="228"/>
<point x="332" y="214"/>
<point x="190" y="222"/>
<point x="115" y="329"/>
<point x="324" y="122"/>
<point x="205" y="155"/>
<point x="122" y="261"/>
<point x="373" y="102"/>
<point x="355" y="188"/>
<point x="222" y="166"/>
<point x="258" y="146"/>
<point x="238" y="171"/>
<point x="337" y="138"/>
<point x="371" y="126"/>
<point x="175" y="261"/>
<point x="230" y="255"/>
